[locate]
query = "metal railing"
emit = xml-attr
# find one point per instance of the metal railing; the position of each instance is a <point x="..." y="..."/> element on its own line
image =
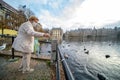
<point x="57" y="58"/>
<point x="67" y="71"/>
<point x="57" y="65"/>
<point x="9" y="36"/>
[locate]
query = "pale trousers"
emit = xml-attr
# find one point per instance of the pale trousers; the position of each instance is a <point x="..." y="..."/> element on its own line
<point x="25" y="64"/>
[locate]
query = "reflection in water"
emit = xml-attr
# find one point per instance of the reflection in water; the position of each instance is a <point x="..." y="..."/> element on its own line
<point x="95" y="64"/>
<point x="85" y="39"/>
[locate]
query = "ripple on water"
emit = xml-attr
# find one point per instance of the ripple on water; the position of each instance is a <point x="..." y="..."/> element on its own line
<point x="87" y="67"/>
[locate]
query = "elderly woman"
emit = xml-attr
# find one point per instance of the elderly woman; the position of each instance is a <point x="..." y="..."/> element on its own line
<point x="24" y="42"/>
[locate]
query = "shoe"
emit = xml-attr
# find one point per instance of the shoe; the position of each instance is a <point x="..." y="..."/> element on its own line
<point x="20" y="69"/>
<point x="30" y="70"/>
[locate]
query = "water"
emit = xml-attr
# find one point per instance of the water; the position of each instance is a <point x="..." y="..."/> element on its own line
<point x="89" y="66"/>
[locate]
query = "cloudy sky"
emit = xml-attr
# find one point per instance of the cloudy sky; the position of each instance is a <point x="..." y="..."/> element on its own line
<point x="72" y="14"/>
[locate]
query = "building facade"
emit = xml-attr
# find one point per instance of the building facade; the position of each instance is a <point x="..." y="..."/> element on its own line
<point x="94" y="33"/>
<point x="10" y="18"/>
<point x="57" y="33"/>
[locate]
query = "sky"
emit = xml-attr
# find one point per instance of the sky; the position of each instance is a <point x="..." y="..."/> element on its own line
<point x="72" y="14"/>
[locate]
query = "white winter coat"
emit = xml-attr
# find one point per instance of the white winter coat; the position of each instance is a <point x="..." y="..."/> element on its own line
<point x="24" y="41"/>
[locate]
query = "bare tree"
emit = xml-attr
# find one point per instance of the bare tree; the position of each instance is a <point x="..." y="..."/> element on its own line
<point x="27" y="11"/>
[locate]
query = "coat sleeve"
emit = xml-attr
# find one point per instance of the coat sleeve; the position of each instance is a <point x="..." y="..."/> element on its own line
<point x="30" y="31"/>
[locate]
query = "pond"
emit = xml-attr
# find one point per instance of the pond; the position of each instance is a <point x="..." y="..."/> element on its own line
<point x="93" y="60"/>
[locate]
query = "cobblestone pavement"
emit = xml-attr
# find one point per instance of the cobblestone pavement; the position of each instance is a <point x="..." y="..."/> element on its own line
<point x="9" y="70"/>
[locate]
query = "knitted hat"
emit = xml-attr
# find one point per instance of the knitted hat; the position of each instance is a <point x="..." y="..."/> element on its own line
<point x="33" y="18"/>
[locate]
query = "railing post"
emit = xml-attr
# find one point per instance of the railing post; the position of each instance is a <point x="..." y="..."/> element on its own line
<point x="54" y="51"/>
<point x="2" y="31"/>
<point x="12" y="48"/>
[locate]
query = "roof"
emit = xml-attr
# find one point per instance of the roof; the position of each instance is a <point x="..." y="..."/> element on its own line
<point x="7" y="6"/>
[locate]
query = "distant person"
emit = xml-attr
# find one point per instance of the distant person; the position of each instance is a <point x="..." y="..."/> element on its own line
<point x="24" y="42"/>
<point x="37" y="48"/>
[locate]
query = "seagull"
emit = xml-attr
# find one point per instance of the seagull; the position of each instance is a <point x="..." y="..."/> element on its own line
<point x="66" y="56"/>
<point x="3" y="47"/>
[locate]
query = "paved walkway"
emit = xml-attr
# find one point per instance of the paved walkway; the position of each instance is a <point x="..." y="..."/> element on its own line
<point x="9" y="70"/>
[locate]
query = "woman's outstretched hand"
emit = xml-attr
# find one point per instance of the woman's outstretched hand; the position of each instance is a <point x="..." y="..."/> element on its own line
<point x="46" y="35"/>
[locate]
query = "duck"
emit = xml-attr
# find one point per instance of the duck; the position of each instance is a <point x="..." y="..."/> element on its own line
<point x="87" y="52"/>
<point x="109" y="44"/>
<point x="84" y="48"/>
<point x="101" y="76"/>
<point x="107" y="56"/>
<point x="49" y="51"/>
<point x="69" y="45"/>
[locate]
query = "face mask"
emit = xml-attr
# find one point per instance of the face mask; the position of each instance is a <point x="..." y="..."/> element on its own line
<point x="34" y="24"/>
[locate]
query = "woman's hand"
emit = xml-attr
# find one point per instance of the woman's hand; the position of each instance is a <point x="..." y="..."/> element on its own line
<point x="46" y="35"/>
